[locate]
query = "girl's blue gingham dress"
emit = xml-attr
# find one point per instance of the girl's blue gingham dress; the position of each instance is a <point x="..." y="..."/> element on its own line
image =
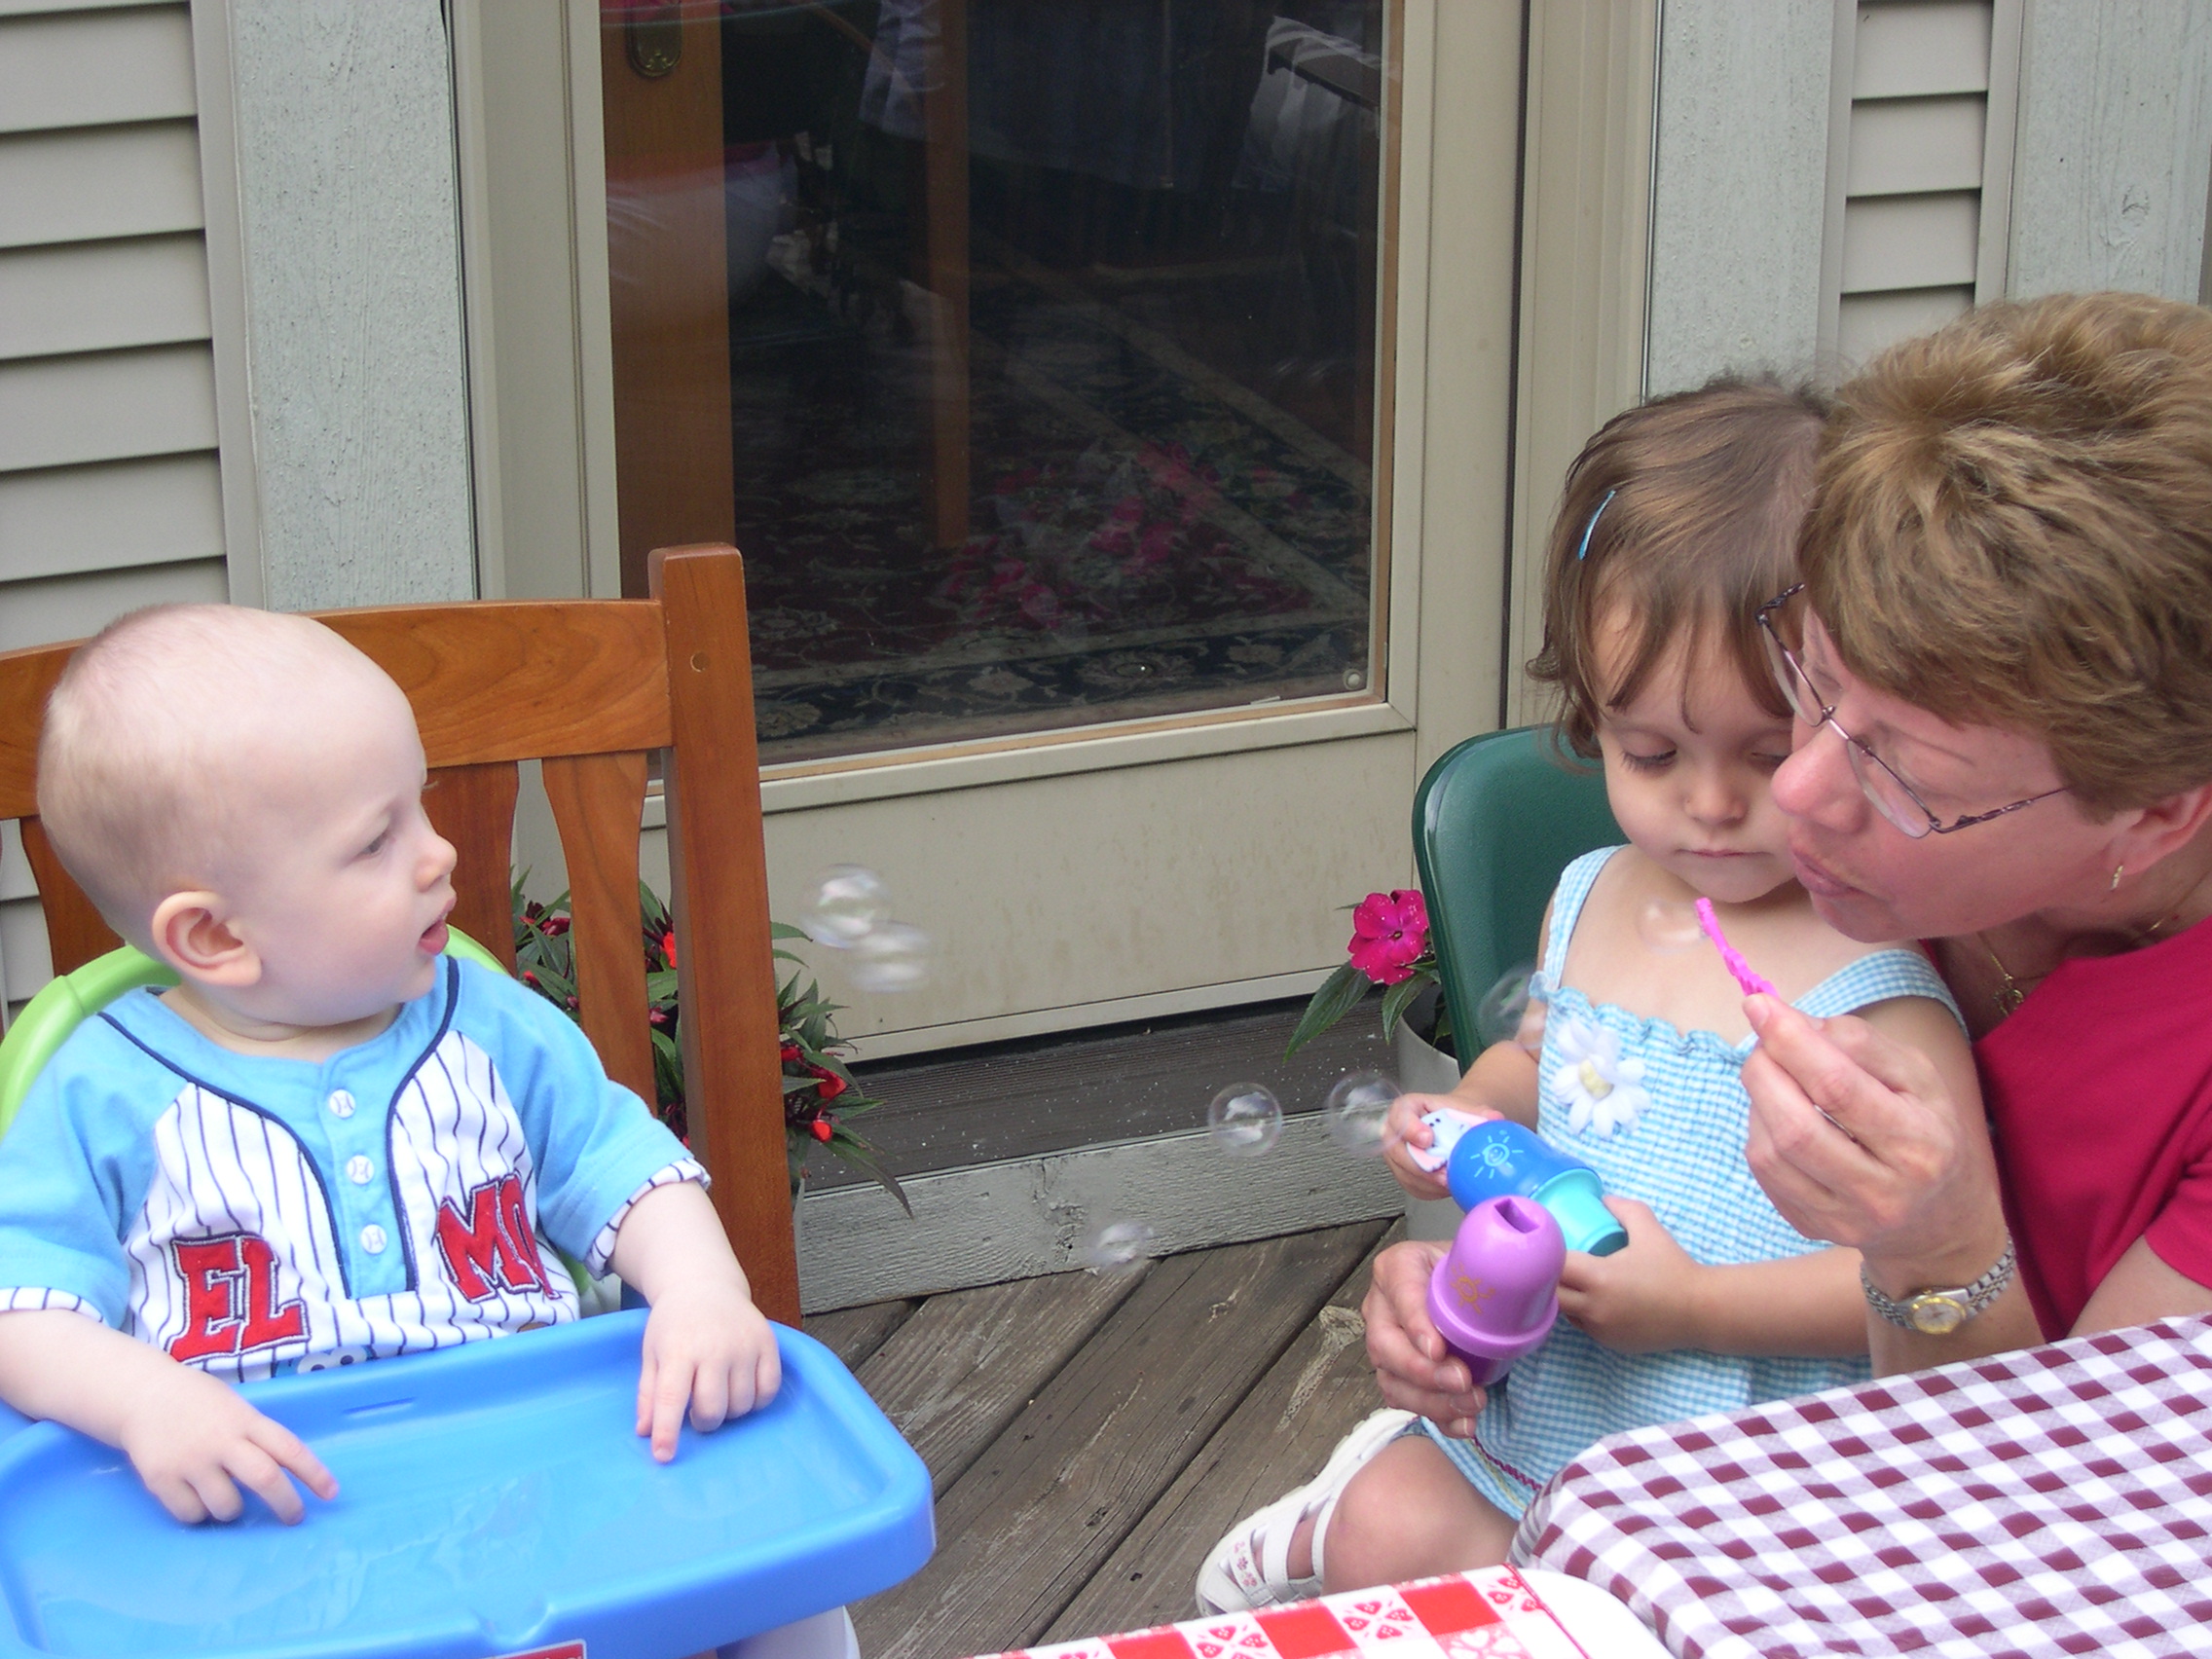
<point x="1682" y="1154"/>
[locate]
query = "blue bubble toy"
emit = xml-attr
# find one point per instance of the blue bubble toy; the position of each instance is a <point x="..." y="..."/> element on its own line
<point x="1499" y="1159"/>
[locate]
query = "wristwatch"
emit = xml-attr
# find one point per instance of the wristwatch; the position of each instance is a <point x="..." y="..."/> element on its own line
<point x="1939" y="1313"/>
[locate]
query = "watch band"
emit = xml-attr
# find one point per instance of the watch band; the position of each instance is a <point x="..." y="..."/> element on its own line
<point x="1936" y="1312"/>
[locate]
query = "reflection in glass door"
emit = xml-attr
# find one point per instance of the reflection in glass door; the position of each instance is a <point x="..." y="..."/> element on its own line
<point x="1050" y="350"/>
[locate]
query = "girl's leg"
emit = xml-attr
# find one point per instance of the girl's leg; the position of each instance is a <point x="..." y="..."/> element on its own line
<point x="1409" y="1514"/>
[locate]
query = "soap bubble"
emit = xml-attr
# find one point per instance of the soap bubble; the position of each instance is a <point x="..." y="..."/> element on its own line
<point x="1356" y="1110"/>
<point x="1245" y="1119"/>
<point x="1115" y="1246"/>
<point x="890" y="956"/>
<point x="1497" y="1017"/>
<point x="1669" y="926"/>
<point x="848" y="904"/>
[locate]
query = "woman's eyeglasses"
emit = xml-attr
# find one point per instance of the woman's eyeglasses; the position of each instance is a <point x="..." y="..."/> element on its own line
<point x="1893" y="797"/>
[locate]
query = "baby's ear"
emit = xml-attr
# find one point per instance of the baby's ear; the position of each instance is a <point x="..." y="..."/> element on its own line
<point x="191" y="934"/>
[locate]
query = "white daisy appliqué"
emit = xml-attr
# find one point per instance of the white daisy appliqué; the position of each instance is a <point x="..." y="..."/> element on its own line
<point x="1603" y="1092"/>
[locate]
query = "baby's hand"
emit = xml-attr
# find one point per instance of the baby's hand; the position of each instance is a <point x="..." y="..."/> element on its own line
<point x="707" y="1346"/>
<point x="1404" y="1134"/>
<point x="1638" y="1298"/>
<point x="195" y="1441"/>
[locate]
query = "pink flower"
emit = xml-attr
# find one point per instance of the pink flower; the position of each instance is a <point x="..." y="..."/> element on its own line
<point x="1388" y="932"/>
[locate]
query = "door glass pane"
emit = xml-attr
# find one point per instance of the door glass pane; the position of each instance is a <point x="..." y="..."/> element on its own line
<point x="1051" y="351"/>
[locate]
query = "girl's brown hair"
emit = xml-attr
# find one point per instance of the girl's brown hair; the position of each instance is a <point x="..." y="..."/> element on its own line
<point x="1683" y="515"/>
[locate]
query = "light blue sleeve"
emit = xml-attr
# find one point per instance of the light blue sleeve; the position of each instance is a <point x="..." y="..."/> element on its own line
<point x="73" y="1169"/>
<point x="596" y="1145"/>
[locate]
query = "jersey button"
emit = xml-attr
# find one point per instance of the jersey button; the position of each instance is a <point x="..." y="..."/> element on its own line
<point x="373" y="1239"/>
<point x="341" y="1104"/>
<point x="359" y="1170"/>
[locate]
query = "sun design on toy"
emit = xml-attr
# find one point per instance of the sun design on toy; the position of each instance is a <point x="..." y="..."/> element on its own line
<point x="1496" y="1154"/>
<point x="1472" y="1290"/>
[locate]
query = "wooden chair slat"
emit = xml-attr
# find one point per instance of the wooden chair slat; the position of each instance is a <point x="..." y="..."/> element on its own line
<point x="598" y="801"/>
<point x="726" y="975"/>
<point x="26" y="679"/>
<point x="474" y="808"/>
<point x="515" y="682"/>
<point x="75" y="933"/>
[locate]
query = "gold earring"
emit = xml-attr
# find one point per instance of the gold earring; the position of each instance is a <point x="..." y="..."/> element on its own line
<point x="2118" y="870"/>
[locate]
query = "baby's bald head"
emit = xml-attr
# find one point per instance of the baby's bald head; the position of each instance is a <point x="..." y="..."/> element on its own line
<point x="169" y="741"/>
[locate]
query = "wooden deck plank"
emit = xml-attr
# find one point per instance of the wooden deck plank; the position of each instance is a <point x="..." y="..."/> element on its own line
<point x="1023" y="1530"/>
<point x="852" y="1334"/>
<point x="1277" y="1437"/>
<point x="958" y="1371"/>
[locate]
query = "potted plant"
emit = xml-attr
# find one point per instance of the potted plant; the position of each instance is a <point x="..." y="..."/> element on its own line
<point x="1391" y="947"/>
<point x="819" y="1094"/>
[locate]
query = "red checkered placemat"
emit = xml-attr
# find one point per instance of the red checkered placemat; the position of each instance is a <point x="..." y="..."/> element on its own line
<point x="1493" y="1613"/>
<point x="2057" y="1500"/>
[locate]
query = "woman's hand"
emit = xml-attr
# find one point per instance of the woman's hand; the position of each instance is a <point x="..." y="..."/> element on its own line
<point x="1643" y="1298"/>
<point x="1413" y="1367"/>
<point x="1861" y="1139"/>
<point x="1404" y="1134"/>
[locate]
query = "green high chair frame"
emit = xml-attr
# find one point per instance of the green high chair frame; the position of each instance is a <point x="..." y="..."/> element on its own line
<point x="1495" y="821"/>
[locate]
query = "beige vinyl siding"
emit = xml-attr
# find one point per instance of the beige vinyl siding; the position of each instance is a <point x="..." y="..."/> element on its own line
<point x="1917" y="147"/>
<point x="110" y="491"/>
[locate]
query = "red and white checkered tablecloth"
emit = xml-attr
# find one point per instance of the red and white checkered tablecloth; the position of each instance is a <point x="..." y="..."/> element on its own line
<point x="1493" y="1613"/>
<point x="2057" y="1500"/>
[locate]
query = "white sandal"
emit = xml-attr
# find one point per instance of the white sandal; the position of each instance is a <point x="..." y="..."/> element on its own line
<point x="1250" y="1568"/>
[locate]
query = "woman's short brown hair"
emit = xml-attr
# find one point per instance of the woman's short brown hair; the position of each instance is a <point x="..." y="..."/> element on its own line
<point x="2012" y="526"/>
<point x="1683" y="513"/>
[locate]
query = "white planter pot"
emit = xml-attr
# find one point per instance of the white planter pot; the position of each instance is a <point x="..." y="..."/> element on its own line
<point x="1425" y="1070"/>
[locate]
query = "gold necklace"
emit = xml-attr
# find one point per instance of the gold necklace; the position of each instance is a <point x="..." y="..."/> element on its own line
<point x="2014" y="991"/>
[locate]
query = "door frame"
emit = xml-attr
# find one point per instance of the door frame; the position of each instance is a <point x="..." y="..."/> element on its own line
<point x="1467" y="383"/>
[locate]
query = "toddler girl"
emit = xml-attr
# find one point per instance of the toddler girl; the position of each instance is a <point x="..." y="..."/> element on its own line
<point x="1678" y="522"/>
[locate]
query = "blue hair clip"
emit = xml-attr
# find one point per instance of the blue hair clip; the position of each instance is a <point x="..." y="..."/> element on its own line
<point x="1583" y="552"/>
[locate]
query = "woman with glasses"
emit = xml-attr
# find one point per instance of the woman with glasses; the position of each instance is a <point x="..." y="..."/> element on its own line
<point x="2000" y="662"/>
<point x="2001" y="665"/>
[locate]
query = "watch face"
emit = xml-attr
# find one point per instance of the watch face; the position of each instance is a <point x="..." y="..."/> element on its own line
<point x="1936" y="1312"/>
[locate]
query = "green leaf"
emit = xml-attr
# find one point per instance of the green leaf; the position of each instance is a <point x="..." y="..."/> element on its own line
<point x="784" y="929"/>
<point x="862" y="1157"/>
<point x="799" y="1085"/>
<point x="1397" y="999"/>
<point x="1340" y="993"/>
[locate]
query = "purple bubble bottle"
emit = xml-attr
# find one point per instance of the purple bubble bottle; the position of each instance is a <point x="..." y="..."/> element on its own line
<point x="1495" y="1294"/>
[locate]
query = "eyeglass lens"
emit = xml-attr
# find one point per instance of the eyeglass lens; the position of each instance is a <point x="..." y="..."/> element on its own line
<point x="1881" y="786"/>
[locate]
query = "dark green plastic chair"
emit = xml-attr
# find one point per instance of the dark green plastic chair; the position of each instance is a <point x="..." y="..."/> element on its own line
<point x="1495" y="821"/>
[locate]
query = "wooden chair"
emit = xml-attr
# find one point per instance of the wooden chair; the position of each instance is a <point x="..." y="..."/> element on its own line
<point x="590" y="687"/>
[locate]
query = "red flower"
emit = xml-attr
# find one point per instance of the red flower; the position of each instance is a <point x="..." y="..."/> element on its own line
<point x="820" y="1129"/>
<point x="668" y="947"/>
<point x="832" y="1085"/>
<point x="528" y="979"/>
<point x="790" y="1052"/>
<point x="1388" y="932"/>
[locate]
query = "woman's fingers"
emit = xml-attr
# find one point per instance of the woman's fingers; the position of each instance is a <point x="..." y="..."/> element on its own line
<point x="1413" y="1367"/>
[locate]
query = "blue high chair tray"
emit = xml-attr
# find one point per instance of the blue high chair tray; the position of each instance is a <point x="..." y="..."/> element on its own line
<point x="492" y="1499"/>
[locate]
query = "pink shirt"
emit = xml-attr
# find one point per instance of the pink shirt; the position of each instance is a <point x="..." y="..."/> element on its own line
<point x="2099" y="1091"/>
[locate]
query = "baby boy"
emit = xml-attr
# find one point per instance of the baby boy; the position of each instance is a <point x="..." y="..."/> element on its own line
<point x="328" y="1143"/>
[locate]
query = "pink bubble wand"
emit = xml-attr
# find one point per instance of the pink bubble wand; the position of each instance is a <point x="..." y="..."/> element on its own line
<point x="1754" y="983"/>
